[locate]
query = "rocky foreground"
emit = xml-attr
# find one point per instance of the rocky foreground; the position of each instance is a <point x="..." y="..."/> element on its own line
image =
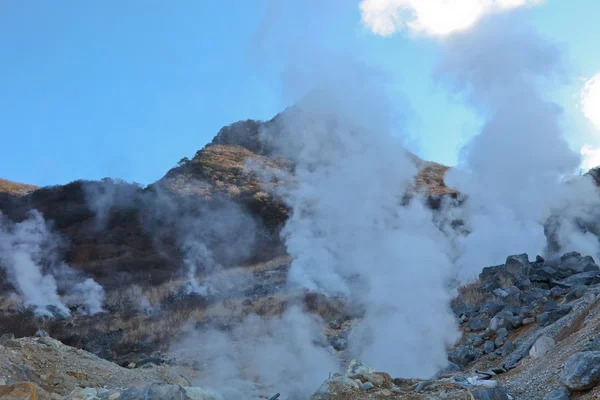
<point x="531" y="330"/>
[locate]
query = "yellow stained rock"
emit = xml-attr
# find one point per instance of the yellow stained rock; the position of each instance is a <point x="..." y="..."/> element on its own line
<point x="19" y="391"/>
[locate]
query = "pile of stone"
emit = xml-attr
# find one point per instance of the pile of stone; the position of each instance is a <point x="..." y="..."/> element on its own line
<point x="516" y="294"/>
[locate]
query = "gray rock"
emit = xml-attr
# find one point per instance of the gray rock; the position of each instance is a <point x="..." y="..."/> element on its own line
<point x="488" y="347"/>
<point x="550" y="317"/>
<point x="576" y="292"/>
<point x="490" y="394"/>
<point x="459" y="308"/>
<point x="501" y="320"/>
<point x="502" y="333"/>
<point x="527" y="321"/>
<point x="581" y="371"/>
<point x="506" y="349"/>
<point x="477" y="324"/>
<point x="500" y="293"/>
<point x="518" y="265"/>
<point x="575" y="263"/>
<point x="550" y="306"/>
<point x="449" y="369"/>
<point x="367" y="386"/>
<point x="582" y="278"/>
<point x="499" y="342"/>
<point x="475" y="339"/>
<point x="512" y="290"/>
<point x="523" y="284"/>
<point x="593" y="345"/>
<point x="533" y="296"/>
<point x="558" y="395"/>
<point x="558" y="291"/>
<point x="491" y="308"/>
<point x="541" y="346"/>
<point x="464" y="355"/>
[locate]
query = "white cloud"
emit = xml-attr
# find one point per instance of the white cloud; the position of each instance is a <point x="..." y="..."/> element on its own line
<point x="591" y="157"/>
<point x="433" y="17"/>
<point x="590" y="100"/>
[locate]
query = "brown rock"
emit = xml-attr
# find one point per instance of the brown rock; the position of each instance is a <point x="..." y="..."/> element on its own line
<point x="19" y="391"/>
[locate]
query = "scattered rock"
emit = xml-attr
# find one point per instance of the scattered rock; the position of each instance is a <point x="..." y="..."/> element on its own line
<point x="541" y="346"/>
<point x="582" y="371"/>
<point x="367" y="386"/>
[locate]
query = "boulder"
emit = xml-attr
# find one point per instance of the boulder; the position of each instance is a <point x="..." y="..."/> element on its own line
<point x="573" y="262"/>
<point x="581" y="371"/>
<point x="475" y="339"/>
<point x="464" y="355"/>
<point x="491" y="308"/>
<point x="558" y="395"/>
<point x="19" y="391"/>
<point x="582" y="278"/>
<point x="477" y="324"/>
<point x="533" y="296"/>
<point x="541" y="346"/>
<point x="503" y="319"/>
<point x="518" y="265"/>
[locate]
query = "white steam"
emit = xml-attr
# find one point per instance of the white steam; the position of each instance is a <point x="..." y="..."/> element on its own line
<point x="349" y="233"/>
<point x="28" y="254"/>
<point x="514" y="170"/>
<point x="260" y="357"/>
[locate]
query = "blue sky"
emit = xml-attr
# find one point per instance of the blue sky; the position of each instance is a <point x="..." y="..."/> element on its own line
<point x="127" y="88"/>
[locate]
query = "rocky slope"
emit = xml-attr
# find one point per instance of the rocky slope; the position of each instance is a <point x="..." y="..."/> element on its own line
<point x="529" y="328"/>
<point x="130" y="240"/>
